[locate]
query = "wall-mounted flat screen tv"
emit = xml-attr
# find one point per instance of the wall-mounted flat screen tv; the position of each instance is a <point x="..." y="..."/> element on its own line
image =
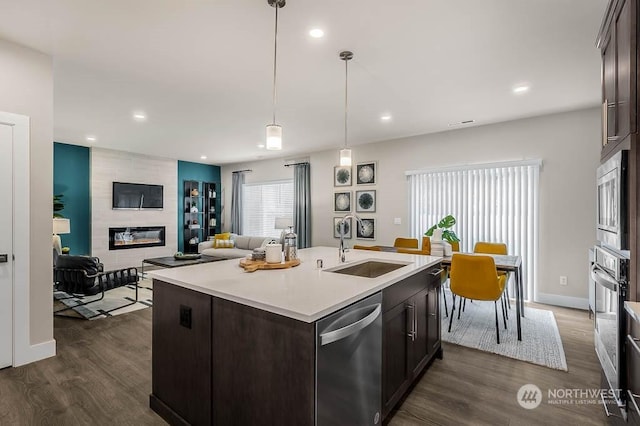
<point x="137" y="196"/>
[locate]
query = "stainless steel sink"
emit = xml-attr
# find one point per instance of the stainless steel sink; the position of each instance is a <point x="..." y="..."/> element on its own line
<point x="368" y="268"/>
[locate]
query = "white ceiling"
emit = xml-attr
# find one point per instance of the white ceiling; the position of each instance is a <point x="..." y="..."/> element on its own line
<point x="202" y="69"/>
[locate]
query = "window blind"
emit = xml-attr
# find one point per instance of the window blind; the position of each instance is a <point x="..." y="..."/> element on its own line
<point x="494" y="202"/>
<point x="262" y="203"/>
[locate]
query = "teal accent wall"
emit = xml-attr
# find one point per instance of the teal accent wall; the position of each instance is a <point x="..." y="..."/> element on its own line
<point x="71" y="177"/>
<point x="199" y="172"/>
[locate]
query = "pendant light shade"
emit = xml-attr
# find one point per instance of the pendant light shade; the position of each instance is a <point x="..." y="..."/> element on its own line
<point x="345" y="157"/>
<point x="274" y="137"/>
<point x="345" y="153"/>
<point x="274" y="132"/>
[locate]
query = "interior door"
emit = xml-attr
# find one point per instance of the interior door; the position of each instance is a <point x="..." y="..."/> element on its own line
<point x="6" y="245"/>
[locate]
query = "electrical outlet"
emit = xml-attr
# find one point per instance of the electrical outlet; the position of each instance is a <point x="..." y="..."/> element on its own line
<point x="563" y="280"/>
<point x="397" y="221"/>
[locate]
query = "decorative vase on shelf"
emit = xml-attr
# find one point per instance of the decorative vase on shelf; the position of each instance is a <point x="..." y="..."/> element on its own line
<point x="194" y="208"/>
<point x="195" y="192"/>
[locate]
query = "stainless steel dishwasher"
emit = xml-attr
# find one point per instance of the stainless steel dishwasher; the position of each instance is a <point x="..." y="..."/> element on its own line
<point x="349" y="365"/>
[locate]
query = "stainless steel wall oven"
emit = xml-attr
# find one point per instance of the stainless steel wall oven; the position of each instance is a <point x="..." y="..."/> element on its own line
<point x="612" y="226"/>
<point x="609" y="272"/>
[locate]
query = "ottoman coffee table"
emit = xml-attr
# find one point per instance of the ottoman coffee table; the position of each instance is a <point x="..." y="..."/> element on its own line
<point x="171" y="262"/>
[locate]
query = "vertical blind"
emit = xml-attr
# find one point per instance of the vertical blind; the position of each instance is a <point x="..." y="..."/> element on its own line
<point x="262" y="203"/>
<point x="492" y="202"/>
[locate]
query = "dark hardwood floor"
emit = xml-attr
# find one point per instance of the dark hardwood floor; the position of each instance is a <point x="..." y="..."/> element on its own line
<point x="471" y="387"/>
<point x="102" y="376"/>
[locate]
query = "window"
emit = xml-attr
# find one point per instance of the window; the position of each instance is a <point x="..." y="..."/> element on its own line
<point x="491" y="202"/>
<point x="263" y="203"/>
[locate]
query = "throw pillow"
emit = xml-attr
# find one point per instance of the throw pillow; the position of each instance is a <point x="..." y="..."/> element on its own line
<point x="218" y="243"/>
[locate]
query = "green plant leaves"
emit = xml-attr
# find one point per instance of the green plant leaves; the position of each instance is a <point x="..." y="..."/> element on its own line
<point x="58" y="205"/>
<point x="447" y="234"/>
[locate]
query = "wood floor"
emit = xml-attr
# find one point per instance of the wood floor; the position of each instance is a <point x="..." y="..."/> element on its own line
<point x="102" y="376"/>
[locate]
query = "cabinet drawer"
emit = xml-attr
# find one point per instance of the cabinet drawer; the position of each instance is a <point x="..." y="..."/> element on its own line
<point x="401" y="291"/>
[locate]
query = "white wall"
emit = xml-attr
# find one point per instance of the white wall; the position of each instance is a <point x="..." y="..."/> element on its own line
<point x="108" y="166"/>
<point x="26" y="87"/>
<point x="568" y="143"/>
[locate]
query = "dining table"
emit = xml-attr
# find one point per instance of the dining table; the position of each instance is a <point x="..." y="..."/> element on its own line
<point x="504" y="263"/>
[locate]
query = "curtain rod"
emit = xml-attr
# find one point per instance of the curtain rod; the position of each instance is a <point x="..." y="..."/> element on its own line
<point x="242" y="171"/>
<point x="296" y="164"/>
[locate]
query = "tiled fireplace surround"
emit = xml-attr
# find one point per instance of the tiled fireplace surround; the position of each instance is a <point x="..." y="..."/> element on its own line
<point x="108" y="166"/>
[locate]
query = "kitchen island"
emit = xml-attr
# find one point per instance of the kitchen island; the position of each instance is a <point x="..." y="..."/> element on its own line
<point x="231" y="347"/>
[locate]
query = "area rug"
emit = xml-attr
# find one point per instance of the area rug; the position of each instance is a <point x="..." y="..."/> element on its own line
<point x="476" y="328"/>
<point x="112" y="299"/>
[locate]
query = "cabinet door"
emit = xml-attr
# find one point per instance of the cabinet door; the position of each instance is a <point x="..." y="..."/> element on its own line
<point x="395" y="355"/>
<point x="419" y="326"/>
<point x="609" y="90"/>
<point x="433" y="320"/>
<point x="625" y="55"/>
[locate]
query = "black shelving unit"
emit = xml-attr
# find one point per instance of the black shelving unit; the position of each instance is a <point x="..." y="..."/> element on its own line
<point x="200" y="212"/>
<point x="212" y="224"/>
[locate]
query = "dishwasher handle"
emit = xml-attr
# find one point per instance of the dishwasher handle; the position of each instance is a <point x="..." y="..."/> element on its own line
<point x="348" y="330"/>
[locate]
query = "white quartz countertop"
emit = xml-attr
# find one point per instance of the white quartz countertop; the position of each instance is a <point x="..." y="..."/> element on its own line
<point x="304" y="292"/>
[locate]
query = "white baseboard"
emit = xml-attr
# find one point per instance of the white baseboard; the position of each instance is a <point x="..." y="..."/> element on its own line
<point x="566" y="301"/>
<point x="36" y="353"/>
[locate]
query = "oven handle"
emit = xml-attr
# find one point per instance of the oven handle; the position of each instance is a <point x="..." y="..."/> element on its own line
<point x="603" y="279"/>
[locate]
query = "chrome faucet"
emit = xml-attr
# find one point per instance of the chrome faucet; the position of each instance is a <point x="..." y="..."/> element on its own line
<point x="341" y="231"/>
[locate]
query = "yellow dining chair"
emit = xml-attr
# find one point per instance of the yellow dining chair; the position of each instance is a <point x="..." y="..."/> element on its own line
<point x="410" y="243"/>
<point x="425" y="250"/>
<point x="476" y="278"/>
<point x="495" y="248"/>
<point x="373" y="248"/>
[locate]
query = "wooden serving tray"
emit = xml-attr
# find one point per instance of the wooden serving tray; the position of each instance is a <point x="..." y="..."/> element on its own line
<point x="253" y="265"/>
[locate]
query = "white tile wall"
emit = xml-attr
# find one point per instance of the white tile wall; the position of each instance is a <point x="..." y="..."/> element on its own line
<point x="109" y="166"/>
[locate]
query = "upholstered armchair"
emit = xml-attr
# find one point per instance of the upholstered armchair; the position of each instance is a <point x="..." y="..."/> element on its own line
<point x="85" y="276"/>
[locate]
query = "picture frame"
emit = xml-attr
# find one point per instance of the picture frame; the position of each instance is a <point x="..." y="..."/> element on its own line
<point x="367" y="231"/>
<point x="347" y="228"/>
<point x="365" y="201"/>
<point x="342" y="176"/>
<point x="342" y="201"/>
<point x="366" y="173"/>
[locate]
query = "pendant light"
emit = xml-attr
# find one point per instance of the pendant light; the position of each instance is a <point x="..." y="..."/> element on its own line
<point x="274" y="131"/>
<point x="345" y="153"/>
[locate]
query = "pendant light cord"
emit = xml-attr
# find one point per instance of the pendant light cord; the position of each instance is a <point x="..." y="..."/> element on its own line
<point x="275" y="58"/>
<point x="346" y="98"/>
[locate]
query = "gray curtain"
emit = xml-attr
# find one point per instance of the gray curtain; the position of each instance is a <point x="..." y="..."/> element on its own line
<point x="236" y="202"/>
<point x="302" y="203"/>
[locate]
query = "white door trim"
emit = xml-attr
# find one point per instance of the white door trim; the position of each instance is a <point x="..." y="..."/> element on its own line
<point x="23" y="351"/>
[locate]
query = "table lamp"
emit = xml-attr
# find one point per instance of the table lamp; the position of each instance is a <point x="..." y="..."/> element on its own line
<point x="60" y="226"/>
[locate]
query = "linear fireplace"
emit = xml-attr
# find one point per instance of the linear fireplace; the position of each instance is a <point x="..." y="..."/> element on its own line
<point x="136" y="237"/>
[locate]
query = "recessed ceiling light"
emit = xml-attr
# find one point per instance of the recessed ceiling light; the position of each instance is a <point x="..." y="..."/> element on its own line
<point x="91" y="138"/>
<point x="385" y="117"/>
<point x="203" y="157"/>
<point x="139" y="116"/>
<point x="521" y="88"/>
<point x="260" y="145"/>
<point x="316" y="33"/>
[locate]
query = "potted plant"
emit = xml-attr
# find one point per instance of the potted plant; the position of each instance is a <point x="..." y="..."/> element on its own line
<point x="58" y="205"/>
<point x="445" y="224"/>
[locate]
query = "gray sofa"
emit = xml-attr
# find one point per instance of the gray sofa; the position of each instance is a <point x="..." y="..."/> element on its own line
<point x="243" y="245"/>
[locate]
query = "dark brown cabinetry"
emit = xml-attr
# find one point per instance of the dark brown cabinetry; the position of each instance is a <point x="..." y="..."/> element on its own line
<point x="220" y="362"/>
<point x="632" y="354"/>
<point x="411" y="333"/>
<point x="618" y="42"/>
